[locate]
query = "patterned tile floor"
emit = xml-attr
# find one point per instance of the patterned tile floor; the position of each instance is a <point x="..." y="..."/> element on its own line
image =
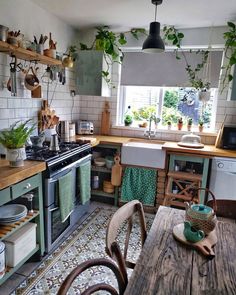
<point x="9" y="286"/>
<point x="84" y="242"/>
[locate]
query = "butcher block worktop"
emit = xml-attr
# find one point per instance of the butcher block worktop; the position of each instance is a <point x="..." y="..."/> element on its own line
<point x="10" y="175"/>
<point x="169" y="146"/>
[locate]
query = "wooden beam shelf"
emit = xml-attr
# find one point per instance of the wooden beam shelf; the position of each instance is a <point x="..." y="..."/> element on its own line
<point x="28" y="55"/>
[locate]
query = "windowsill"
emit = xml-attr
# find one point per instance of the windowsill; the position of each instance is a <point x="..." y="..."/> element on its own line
<point x="165" y="130"/>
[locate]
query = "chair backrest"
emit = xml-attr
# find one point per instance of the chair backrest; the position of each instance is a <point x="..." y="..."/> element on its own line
<point x="225" y="208"/>
<point x="97" y="287"/>
<point x="124" y="213"/>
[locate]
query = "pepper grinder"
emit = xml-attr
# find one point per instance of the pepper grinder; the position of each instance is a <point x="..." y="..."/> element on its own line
<point x="29" y="197"/>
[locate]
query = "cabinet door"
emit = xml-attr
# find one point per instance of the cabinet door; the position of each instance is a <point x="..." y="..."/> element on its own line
<point x="89" y="66"/>
<point x="5" y="196"/>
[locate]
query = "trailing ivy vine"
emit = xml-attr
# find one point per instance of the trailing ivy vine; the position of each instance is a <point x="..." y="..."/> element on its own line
<point x="174" y="37"/>
<point x="230" y="53"/>
<point x="110" y="42"/>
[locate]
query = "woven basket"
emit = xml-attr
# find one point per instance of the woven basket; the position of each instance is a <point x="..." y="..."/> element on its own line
<point x="200" y="221"/>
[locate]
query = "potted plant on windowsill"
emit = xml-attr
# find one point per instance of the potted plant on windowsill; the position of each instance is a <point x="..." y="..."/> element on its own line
<point x="189" y="124"/>
<point x="200" y="125"/>
<point x="14" y="141"/>
<point x="180" y="123"/>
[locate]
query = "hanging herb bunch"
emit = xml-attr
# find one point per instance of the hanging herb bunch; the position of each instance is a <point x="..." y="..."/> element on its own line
<point x="174" y="37"/>
<point x="110" y="42"/>
<point x="230" y="54"/>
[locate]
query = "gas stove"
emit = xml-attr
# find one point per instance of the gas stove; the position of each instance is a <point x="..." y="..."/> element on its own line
<point x="68" y="153"/>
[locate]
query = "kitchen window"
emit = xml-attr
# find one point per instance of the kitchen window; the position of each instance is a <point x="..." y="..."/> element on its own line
<point x="148" y="82"/>
<point x="168" y="104"/>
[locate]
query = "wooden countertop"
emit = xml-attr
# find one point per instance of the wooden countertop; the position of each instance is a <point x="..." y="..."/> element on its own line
<point x="169" y="146"/>
<point x="10" y="175"/>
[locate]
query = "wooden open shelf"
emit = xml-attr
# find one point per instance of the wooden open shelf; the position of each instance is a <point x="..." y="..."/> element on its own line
<point x="6" y="230"/>
<point x="10" y="270"/>
<point x="28" y="55"/>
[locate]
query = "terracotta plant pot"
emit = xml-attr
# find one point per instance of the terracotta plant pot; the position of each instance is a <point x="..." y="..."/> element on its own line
<point x="180" y="126"/>
<point x="200" y="128"/>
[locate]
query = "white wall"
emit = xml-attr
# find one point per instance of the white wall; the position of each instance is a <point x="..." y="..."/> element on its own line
<point x="33" y="20"/>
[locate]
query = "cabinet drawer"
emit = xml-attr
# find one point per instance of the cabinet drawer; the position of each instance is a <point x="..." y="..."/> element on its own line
<point x="5" y="196"/>
<point x="25" y="186"/>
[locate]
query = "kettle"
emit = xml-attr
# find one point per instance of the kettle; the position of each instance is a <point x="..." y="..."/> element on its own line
<point x="54" y="145"/>
<point x="63" y="129"/>
<point x="201" y="216"/>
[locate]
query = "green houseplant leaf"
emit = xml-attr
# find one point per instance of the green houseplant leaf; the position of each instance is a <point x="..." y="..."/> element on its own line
<point x="17" y="135"/>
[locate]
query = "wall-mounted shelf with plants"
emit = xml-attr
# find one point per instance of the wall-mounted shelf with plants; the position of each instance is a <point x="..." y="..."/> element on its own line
<point x="28" y="55"/>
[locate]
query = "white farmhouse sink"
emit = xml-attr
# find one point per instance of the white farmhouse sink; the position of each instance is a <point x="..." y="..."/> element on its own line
<point x="143" y="154"/>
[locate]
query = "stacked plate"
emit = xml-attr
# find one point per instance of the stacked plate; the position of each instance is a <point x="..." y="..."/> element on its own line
<point x="12" y="213"/>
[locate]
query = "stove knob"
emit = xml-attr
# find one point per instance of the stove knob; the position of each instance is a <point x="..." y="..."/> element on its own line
<point x="220" y="165"/>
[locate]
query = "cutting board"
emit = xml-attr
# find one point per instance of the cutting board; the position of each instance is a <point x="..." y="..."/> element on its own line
<point x="205" y="246"/>
<point x="116" y="172"/>
<point x="105" y="121"/>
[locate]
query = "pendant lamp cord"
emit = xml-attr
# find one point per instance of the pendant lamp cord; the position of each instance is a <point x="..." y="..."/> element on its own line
<point x="156" y="13"/>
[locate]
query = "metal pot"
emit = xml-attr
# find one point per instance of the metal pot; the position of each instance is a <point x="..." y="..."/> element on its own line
<point x="3" y="33"/>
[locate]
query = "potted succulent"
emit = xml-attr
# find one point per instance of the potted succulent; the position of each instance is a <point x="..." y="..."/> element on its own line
<point x="14" y="141"/>
<point x="169" y="125"/>
<point x="200" y="125"/>
<point x="180" y="123"/>
<point x="189" y="124"/>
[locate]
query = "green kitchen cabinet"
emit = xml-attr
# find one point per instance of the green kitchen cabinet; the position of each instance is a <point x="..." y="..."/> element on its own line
<point x="191" y="164"/>
<point x="15" y="194"/>
<point x="88" y="69"/>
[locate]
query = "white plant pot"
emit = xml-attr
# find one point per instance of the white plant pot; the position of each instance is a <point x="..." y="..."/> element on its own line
<point x="16" y="157"/>
<point x="204" y="95"/>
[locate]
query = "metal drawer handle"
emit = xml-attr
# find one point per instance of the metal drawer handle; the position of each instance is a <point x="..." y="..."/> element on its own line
<point x="28" y="185"/>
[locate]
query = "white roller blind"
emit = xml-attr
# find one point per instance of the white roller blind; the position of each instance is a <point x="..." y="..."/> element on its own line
<point x="163" y="69"/>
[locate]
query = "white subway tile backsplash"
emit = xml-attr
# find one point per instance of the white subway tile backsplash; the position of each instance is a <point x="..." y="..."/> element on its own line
<point x="3" y="103"/>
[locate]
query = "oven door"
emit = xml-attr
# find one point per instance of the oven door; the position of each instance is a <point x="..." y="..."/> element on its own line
<point x="54" y="227"/>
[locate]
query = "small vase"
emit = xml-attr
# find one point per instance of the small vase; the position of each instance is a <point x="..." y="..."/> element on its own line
<point x="16" y="157"/>
<point x="169" y="127"/>
<point x="189" y="127"/>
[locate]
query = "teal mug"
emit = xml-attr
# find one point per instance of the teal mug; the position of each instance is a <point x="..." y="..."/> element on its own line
<point x="191" y="234"/>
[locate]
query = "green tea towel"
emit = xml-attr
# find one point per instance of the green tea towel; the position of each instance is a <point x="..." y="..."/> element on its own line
<point x="84" y="181"/>
<point x="140" y="184"/>
<point x="66" y="203"/>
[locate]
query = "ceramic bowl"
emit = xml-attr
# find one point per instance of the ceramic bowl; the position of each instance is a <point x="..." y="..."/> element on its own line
<point x="100" y="162"/>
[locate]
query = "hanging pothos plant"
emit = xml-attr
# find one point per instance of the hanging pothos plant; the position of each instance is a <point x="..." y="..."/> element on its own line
<point x="110" y="42"/>
<point x="174" y="37"/>
<point x="230" y="54"/>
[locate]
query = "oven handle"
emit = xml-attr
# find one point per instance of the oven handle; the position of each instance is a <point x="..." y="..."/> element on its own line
<point x="72" y="165"/>
<point x="55" y="179"/>
<point x="54" y="209"/>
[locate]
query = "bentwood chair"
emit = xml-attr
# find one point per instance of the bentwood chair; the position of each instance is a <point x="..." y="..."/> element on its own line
<point x="97" y="287"/>
<point x="124" y="213"/>
<point x="225" y="208"/>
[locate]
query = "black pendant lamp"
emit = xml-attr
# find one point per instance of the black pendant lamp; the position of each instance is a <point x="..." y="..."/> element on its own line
<point x="154" y="43"/>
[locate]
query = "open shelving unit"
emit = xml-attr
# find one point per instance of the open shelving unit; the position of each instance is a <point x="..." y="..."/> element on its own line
<point x="28" y="55"/>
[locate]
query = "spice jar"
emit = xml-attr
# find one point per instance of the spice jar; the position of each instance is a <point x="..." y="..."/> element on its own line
<point x="95" y="182"/>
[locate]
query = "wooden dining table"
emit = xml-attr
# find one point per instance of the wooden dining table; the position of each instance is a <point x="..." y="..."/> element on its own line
<point x="167" y="266"/>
